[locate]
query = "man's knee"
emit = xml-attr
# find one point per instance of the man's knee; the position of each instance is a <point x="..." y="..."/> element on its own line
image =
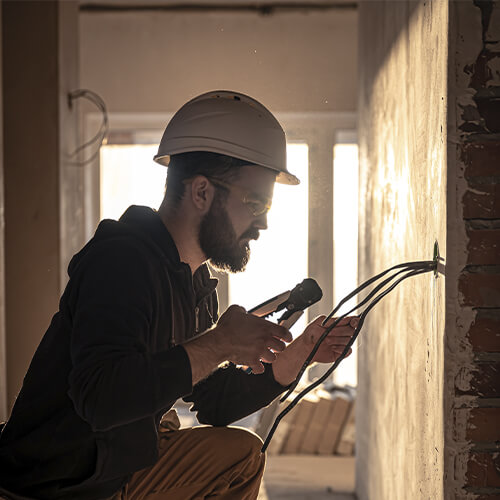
<point x="248" y="440"/>
<point x="242" y="444"/>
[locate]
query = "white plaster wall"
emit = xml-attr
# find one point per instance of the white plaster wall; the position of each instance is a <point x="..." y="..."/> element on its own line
<point x="402" y="127"/>
<point x="155" y="61"/>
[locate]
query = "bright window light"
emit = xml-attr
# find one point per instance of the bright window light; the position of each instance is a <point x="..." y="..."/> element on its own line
<point x="278" y="259"/>
<point x="345" y="239"/>
<point x="129" y="176"/>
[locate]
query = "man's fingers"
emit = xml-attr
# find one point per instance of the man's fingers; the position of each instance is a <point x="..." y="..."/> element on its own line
<point x="276" y="345"/>
<point x="338" y="339"/>
<point x="236" y="308"/>
<point x="257" y="368"/>
<point x="351" y="321"/>
<point x="268" y="356"/>
<point x="340" y="350"/>
<point x="280" y="332"/>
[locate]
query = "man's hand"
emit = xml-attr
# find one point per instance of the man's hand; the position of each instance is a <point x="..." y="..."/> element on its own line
<point x="288" y="364"/>
<point x="239" y="337"/>
<point x="334" y="344"/>
<point x="247" y="340"/>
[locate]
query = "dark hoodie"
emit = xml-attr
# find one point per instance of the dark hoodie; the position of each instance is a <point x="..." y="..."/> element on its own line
<point x="110" y="365"/>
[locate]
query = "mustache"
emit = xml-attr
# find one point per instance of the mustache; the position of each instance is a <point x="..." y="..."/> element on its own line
<point x="251" y="233"/>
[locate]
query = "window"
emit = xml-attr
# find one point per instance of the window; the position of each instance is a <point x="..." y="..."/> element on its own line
<point x="129" y="176"/>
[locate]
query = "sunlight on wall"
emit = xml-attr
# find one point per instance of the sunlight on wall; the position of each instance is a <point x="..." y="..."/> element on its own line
<point x="279" y="257"/>
<point x="129" y="176"/>
<point x="345" y="238"/>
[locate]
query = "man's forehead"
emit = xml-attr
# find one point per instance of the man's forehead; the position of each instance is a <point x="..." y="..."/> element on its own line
<point x="257" y="178"/>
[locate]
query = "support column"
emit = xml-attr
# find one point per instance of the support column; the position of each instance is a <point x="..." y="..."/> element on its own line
<point x="39" y="68"/>
<point x="3" y="361"/>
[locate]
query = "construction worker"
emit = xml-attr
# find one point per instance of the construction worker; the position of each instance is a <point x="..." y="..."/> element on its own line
<point x="138" y="328"/>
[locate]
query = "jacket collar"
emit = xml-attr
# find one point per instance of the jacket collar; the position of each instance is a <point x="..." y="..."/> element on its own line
<point x="148" y="222"/>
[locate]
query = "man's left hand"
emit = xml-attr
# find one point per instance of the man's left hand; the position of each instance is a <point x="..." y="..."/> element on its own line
<point x="334" y="344"/>
<point x="287" y="365"/>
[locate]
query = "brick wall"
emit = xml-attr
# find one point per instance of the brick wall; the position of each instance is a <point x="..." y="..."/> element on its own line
<point x="474" y="100"/>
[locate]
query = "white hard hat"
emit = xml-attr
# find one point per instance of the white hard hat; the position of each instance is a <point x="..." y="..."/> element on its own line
<point x="231" y="124"/>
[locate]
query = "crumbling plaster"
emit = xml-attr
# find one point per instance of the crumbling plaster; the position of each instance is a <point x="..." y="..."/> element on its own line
<point x="473" y="80"/>
<point x="402" y="127"/>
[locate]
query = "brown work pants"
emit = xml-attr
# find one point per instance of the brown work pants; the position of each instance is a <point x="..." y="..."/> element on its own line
<point x="202" y="462"/>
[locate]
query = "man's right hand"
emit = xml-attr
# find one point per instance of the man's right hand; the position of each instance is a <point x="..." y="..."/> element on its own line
<point x="247" y="340"/>
<point x="239" y="337"/>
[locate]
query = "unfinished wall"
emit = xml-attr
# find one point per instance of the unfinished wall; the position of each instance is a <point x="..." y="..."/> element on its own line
<point x="402" y="127"/>
<point x="38" y="72"/>
<point x="472" y="356"/>
<point x="154" y="61"/>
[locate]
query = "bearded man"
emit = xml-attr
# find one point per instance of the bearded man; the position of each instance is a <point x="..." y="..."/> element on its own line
<point x="138" y="328"/>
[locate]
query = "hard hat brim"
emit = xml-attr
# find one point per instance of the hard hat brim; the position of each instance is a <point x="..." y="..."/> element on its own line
<point x="282" y="177"/>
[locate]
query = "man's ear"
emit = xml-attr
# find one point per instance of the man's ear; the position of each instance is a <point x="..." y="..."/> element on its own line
<point x="202" y="193"/>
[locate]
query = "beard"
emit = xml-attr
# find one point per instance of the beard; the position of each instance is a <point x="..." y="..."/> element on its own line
<point x="219" y="243"/>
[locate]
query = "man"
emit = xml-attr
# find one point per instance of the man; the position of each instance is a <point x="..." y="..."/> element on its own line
<point x="137" y="329"/>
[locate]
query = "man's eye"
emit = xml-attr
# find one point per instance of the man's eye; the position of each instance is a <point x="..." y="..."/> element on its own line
<point x="255" y="205"/>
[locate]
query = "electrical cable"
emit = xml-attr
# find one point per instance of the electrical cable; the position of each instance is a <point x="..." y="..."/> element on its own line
<point x="405" y="267"/>
<point x="100" y="136"/>
<point x="410" y="269"/>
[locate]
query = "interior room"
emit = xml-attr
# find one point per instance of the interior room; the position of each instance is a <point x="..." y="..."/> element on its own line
<point x="392" y="123"/>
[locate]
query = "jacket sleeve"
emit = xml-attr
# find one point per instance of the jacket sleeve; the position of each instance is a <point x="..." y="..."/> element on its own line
<point x="115" y="378"/>
<point x="230" y="393"/>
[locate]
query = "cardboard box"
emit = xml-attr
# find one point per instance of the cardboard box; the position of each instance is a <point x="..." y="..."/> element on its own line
<point x="347" y="439"/>
<point x="319" y="420"/>
<point x="304" y="411"/>
<point x="334" y="427"/>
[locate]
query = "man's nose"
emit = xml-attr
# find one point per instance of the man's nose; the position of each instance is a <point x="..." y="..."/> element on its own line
<point x="261" y="221"/>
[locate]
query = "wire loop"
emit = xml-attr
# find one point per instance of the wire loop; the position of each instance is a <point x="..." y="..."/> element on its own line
<point x="100" y="136"/>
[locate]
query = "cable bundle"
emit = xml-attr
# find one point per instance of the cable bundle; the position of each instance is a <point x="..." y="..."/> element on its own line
<point x="407" y="269"/>
<point x="100" y="136"/>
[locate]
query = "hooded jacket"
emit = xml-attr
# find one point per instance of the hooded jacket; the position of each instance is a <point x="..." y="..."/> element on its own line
<point x="112" y="363"/>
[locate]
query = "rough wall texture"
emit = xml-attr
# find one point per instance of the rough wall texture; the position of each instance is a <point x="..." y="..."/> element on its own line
<point x="402" y="127"/>
<point x="472" y="356"/>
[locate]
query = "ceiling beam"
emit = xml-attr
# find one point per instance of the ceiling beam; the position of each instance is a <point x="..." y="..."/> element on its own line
<point x="264" y="8"/>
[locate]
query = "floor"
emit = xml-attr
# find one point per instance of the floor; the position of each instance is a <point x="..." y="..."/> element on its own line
<point x="308" y="477"/>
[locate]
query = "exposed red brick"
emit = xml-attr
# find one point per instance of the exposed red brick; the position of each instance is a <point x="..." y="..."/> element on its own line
<point x="481" y="380"/>
<point x="482" y="202"/>
<point x="483" y="247"/>
<point x="483" y="470"/>
<point x="486" y="380"/>
<point x="479" y="289"/>
<point x="483" y="424"/>
<point x="481" y="159"/>
<point x="484" y="333"/>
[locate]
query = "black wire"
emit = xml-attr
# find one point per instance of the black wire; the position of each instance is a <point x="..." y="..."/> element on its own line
<point x="408" y="265"/>
<point x="426" y="266"/>
<point x="103" y="128"/>
<point x="415" y="264"/>
<point x="340" y="318"/>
